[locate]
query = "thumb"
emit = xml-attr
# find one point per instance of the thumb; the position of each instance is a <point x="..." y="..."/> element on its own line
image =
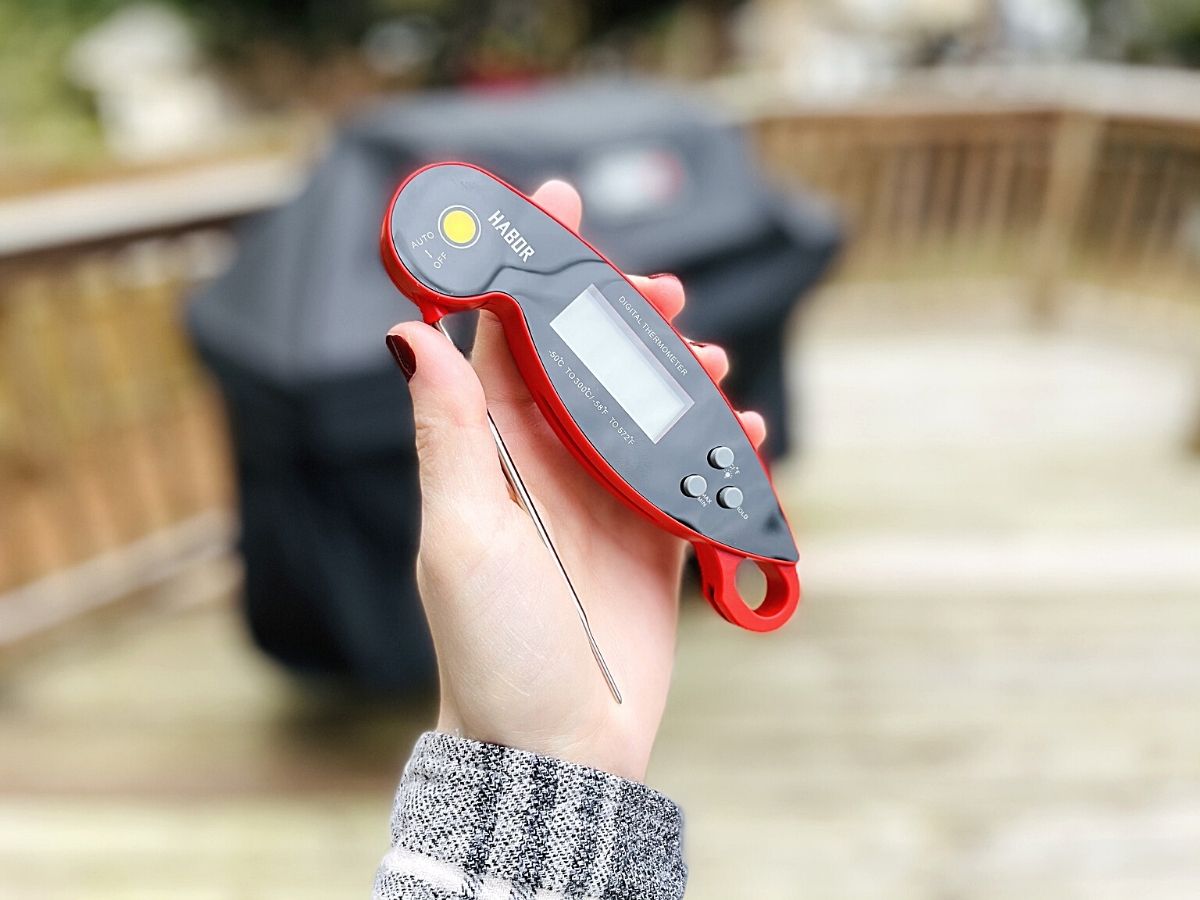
<point x="457" y="457"/>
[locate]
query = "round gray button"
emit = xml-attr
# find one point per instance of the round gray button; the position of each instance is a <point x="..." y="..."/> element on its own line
<point x="694" y="486"/>
<point x="730" y="497"/>
<point x="720" y="457"/>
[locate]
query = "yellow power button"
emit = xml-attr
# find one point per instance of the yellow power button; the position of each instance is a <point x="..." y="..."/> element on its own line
<point x="459" y="226"/>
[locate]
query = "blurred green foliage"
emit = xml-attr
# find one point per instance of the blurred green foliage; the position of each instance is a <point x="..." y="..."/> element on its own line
<point x="1146" y="31"/>
<point x="282" y="52"/>
<point x="1175" y="27"/>
<point x="231" y="27"/>
<point x="466" y="35"/>
<point x="280" y="49"/>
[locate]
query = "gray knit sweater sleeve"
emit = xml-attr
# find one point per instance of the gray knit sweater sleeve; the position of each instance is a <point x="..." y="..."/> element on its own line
<point x="480" y="821"/>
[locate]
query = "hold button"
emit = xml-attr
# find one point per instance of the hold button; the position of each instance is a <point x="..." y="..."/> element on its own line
<point x="729" y="497"/>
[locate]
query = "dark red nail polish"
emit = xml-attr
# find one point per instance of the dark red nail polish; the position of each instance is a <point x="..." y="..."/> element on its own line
<point x="403" y="355"/>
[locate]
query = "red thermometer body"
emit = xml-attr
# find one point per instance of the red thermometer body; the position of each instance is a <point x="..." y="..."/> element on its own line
<point x="618" y="385"/>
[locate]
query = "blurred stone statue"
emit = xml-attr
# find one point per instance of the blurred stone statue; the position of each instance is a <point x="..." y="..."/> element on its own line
<point x="155" y="97"/>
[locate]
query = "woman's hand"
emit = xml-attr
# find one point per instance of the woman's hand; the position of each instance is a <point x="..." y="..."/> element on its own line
<point x="514" y="663"/>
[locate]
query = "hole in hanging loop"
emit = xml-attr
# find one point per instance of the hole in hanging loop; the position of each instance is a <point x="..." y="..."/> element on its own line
<point x="751" y="584"/>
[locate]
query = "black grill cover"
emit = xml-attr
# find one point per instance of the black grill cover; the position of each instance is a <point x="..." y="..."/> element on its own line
<point x="320" y="419"/>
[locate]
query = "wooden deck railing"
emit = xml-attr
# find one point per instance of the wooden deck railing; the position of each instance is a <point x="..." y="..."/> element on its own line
<point x="112" y="445"/>
<point x="1043" y="196"/>
<point x="110" y="436"/>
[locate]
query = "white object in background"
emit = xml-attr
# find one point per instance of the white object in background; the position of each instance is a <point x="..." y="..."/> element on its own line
<point x="155" y="98"/>
<point x="1042" y="29"/>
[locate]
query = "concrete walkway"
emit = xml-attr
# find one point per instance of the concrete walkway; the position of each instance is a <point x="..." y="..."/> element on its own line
<point x="992" y="690"/>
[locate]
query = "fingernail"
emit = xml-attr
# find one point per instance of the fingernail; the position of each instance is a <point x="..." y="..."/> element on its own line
<point x="698" y="343"/>
<point x="664" y="275"/>
<point x="403" y="355"/>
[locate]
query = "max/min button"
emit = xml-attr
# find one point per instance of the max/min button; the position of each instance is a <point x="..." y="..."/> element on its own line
<point x="693" y="486"/>
<point x="720" y="457"/>
<point x="729" y="497"/>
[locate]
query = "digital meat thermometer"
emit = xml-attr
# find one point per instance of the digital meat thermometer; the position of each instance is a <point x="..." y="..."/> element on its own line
<point x="621" y="389"/>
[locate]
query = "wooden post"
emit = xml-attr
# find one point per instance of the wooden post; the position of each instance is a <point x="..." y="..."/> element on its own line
<point x="1073" y="152"/>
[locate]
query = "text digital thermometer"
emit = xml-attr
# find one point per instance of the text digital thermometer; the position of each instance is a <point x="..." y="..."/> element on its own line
<point x="617" y="384"/>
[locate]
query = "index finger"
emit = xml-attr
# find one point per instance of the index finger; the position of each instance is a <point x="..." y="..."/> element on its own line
<point x="563" y="202"/>
<point x="665" y="292"/>
<point x="560" y="200"/>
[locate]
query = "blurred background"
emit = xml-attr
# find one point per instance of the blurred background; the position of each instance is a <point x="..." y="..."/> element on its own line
<point x="954" y="247"/>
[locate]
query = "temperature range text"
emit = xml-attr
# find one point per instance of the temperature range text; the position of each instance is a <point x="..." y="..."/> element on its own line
<point x="587" y="391"/>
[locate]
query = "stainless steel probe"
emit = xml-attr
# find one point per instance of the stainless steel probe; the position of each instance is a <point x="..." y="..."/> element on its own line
<point x="518" y="485"/>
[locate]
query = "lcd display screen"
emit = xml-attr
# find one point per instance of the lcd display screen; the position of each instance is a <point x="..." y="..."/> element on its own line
<point x="624" y="366"/>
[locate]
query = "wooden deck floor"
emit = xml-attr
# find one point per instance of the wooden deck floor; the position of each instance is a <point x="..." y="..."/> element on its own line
<point x="992" y="691"/>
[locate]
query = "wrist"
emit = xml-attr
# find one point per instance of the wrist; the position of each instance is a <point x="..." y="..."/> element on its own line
<point x="522" y="824"/>
<point x="610" y="753"/>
